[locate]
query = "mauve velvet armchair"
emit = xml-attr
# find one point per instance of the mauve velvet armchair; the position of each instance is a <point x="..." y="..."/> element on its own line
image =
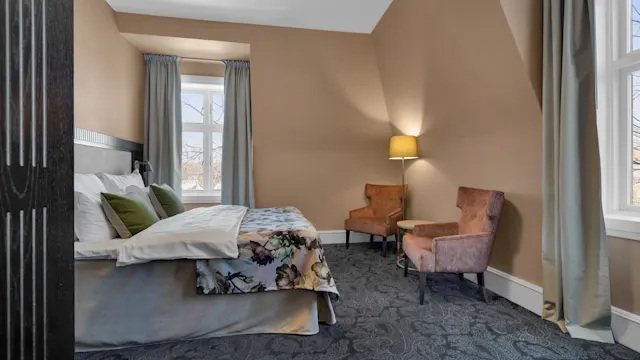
<point x="381" y="216"/>
<point x="457" y="247"/>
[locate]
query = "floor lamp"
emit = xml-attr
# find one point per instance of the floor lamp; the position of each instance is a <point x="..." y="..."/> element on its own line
<point x="403" y="147"/>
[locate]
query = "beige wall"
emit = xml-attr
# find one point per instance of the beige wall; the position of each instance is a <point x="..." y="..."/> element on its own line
<point x="201" y="68"/>
<point x="624" y="265"/>
<point x="452" y="73"/>
<point x="525" y="20"/>
<point x="319" y="118"/>
<point x="108" y="74"/>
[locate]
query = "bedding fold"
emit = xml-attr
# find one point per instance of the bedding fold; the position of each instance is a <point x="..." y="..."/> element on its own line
<point x="201" y="233"/>
<point x="97" y="250"/>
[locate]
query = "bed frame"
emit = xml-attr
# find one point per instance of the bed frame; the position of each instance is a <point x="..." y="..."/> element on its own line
<point x="131" y="306"/>
<point x="100" y="153"/>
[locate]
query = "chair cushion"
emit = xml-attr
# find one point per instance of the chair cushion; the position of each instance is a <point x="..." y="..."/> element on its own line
<point x="418" y="249"/>
<point x="369" y="225"/>
<point x="425" y="243"/>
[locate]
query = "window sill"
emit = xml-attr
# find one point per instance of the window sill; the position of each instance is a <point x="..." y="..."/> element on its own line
<point x="623" y="226"/>
<point x="200" y="199"/>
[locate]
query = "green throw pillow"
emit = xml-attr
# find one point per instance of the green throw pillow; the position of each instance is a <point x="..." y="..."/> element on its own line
<point x="165" y="200"/>
<point x="128" y="213"/>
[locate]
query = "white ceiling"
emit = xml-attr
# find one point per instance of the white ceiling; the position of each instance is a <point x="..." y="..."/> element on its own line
<point x="359" y="16"/>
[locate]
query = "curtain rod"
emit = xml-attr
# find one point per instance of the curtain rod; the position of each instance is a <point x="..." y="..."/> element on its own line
<point x="201" y="60"/>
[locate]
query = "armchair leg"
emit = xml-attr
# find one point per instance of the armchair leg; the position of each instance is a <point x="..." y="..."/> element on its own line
<point x="395" y="237"/>
<point x="423" y="285"/>
<point x="482" y="288"/>
<point x="384" y="246"/>
<point x="348" y="232"/>
<point x="406" y="265"/>
<point x="371" y="241"/>
<point x="461" y="276"/>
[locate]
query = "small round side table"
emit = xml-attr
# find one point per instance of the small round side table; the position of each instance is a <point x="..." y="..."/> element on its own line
<point x="405" y="226"/>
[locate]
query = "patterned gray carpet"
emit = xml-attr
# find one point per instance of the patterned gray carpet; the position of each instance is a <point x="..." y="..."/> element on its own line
<point x="379" y="318"/>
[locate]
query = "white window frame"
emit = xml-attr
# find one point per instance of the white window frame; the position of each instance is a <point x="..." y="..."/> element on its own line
<point x="615" y="61"/>
<point x="205" y="85"/>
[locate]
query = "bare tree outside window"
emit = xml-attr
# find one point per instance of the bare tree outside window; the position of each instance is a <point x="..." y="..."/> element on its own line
<point x="635" y="25"/>
<point x="635" y="104"/>
<point x="635" y="127"/>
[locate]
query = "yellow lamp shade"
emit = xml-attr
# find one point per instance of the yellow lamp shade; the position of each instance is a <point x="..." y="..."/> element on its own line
<point x="403" y="147"/>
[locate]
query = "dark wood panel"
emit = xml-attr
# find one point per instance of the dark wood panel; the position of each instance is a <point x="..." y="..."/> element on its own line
<point x="60" y="212"/>
<point x="36" y="168"/>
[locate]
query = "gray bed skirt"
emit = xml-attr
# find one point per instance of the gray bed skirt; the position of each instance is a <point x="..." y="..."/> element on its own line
<point x="157" y="302"/>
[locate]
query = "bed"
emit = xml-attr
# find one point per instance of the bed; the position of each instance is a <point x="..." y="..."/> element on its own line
<point x="279" y="282"/>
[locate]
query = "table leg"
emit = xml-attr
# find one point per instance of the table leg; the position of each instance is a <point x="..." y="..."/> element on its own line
<point x="400" y="258"/>
<point x="399" y="251"/>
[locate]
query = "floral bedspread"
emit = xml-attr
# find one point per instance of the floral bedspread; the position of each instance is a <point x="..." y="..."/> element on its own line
<point x="279" y="250"/>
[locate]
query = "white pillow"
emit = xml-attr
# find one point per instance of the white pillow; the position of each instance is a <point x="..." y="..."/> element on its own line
<point x="88" y="184"/>
<point x="117" y="184"/>
<point x="141" y="192"/>
<point x="90" y="222"/>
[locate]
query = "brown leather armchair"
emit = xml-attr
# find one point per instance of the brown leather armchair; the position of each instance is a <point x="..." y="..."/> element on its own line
<point x="381" y="216"/>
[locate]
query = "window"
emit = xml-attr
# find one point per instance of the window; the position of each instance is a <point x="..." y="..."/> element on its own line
<point x="618" y="67"/>
<point x="202" y="122"/>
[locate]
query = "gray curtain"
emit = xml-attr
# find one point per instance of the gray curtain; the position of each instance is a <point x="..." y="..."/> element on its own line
<point x="237" y="146"/>
<point x="575" y="255"/>
<point x="163" y="121"/>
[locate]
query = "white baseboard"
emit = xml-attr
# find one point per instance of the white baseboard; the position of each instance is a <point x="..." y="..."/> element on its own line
<point x="625" y="325"/>
<point x="339" y="237"/>
<point x="626" y="328"/>
<point x="514" y="289"/>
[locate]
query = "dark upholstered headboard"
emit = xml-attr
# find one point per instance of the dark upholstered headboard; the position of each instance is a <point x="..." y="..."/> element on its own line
<point x="95" y="152"/>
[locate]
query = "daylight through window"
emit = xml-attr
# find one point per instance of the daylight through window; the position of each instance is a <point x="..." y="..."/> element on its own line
<point x="202" y="126"/>
<point x="618" y="80"/>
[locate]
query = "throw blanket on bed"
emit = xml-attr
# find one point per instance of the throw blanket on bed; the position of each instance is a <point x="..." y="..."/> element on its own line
<point x="279" y="250"/>
<point x="201" y="233"/>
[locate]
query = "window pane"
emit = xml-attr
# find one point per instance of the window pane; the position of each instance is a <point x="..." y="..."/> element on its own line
<point x="635" y="125"/>
<point x="635" y="25"/>
<point x="192" y="162"/>
<point x="217" y="108"/>
<point x="216" y="161"/>
<point x="192" y="108"/>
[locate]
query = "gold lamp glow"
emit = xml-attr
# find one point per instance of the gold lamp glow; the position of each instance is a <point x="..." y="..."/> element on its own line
<point x="403" y="147"/>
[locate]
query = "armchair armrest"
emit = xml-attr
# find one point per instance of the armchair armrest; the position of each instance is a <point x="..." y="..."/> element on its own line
<point x="436" y="230"/>
<point x="393" y="217"/>
<point x="468" y="253"/>
<point x="361" y="213"/>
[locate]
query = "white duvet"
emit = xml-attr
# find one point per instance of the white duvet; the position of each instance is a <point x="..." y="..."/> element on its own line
<point x="97" y="250"/>
<point x="201" y="233"/>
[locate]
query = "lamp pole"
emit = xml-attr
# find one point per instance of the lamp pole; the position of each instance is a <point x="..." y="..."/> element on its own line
<point x="402" y="189"/>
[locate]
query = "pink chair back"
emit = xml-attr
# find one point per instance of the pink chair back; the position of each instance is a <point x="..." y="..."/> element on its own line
<point x="480" y="210"/>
